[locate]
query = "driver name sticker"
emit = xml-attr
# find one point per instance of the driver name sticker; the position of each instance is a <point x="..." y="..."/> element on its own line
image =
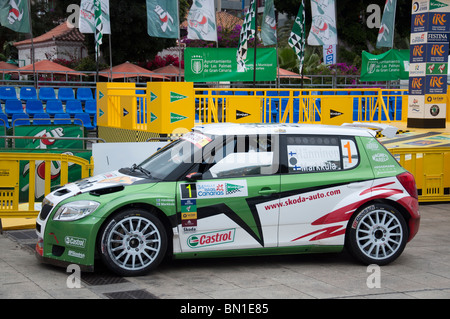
<point x="214" y="189"/>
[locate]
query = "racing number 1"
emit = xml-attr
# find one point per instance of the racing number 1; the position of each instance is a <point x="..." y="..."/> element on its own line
<point x="188" y="190"/>
<point x="349" y="152"/>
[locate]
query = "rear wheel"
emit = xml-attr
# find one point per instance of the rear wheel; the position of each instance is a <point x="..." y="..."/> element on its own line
<point x="377" y="234"/>
<point x="133" y="242"/>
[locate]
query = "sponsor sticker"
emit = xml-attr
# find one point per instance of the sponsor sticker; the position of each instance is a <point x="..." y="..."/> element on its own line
<point x="75" y="241"/>
<point x="214" y="189"/>
<point x="189" y="215"/>
<point x="76" y="254"/>
<point x="380" y="157"/>
<point x="211" y="238"/>
<point x="199" y="140"/>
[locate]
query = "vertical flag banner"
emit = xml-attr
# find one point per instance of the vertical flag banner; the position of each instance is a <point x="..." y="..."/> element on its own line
<point x="14" y="14"/>
<point x="323" y="26"/>
<point x="269" y="26"/>
<point x="202" y="21"/>
<point x="297" y="37"/>
<point x="162" y="19"/>
<point x="386" y="34"/>
<point x="87" y="20"/>
<point x="98" y="26"/>
<point x="247" y="33"/>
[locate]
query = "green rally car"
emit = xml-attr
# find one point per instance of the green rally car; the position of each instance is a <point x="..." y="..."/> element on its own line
<point x="234" y="190"/>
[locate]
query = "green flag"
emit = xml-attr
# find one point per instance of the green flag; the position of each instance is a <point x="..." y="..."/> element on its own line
<point x="162" y="19"/>
<point x="386" y="33"/>
<point x="14" y="14"/>
<point x="247" y="33"/>
<point x="269" y="26"/>
<point x="98" y="26"/>
<point x="297" y="38"/>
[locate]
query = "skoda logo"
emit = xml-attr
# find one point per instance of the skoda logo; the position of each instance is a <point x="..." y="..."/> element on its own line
<point x="434" y="110"/>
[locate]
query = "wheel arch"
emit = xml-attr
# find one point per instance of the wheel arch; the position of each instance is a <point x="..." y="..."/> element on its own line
<point x="392" y="203"/>
<point x="149" y="208"/>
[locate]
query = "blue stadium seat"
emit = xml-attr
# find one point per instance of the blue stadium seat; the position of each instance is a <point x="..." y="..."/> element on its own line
<point x="54" y="107"/>
<point x="61" y="119"/>
<point x="83" y="119"/>
<point x="84" y="94"/>
<point x="20" y="119"/>
<point x="46" y="94"/>
<point x="33" y="107"/>
<point x="74" y="106"/>
<point x="7" y="93"/>
<point x="13" y="107"/>
<point x="28" y="93"/>
<point x="4" y="120"/>
<point x="41" y="119"/>
<point x="66" y="94"/>
<point x="91" y="107"/>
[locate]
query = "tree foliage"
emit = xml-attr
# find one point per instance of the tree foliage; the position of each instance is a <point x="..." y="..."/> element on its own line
<point x="354" y="35"/>
<point x="130" y="41"/>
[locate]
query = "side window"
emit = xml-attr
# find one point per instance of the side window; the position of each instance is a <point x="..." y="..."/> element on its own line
<point x="250" y="155"/>
<point x="317" y="153"/>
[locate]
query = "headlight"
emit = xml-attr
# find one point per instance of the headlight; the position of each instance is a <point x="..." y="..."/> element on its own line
<point x="75" y="210"/>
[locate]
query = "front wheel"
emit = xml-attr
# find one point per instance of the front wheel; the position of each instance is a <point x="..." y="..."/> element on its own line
<point x="377" y="234"/>
<point x="133" y="242"/>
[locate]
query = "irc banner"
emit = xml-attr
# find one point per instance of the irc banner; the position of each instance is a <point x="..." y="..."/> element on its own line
<point x="429" y="46"/>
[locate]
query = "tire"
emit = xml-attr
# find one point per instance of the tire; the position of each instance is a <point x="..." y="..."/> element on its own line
<point x="377" y="234"/>
<point x="133" y="242"/>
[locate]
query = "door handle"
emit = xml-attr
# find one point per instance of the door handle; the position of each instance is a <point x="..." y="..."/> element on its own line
<point x="267" y="191"/>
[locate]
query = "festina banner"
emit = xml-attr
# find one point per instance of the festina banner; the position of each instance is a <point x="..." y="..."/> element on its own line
<point x="269" y="26"/>
<point x="14" y="14"/>
<point x="389" y="66"/>
<point x="297" y="37"/>
<point x="202" y="21"/>
<point x="219" y="64"/>
<point x="162" y="19"/>
<point x="87" y="21"/>
<point x="386" y="33"/>
<point x="323" y="26"/>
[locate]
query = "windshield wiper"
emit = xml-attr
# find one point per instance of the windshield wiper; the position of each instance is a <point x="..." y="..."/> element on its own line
<point x="141" y="169"/>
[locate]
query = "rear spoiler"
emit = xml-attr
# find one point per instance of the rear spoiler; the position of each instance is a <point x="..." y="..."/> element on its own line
<point x="387" y="130"/>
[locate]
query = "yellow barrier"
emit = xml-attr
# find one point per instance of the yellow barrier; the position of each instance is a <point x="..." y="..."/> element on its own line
<point x="9" y="179"/>
<point x="429" y="169"/>
<point x="324" y="106"/>
<point x="161" y="107"/>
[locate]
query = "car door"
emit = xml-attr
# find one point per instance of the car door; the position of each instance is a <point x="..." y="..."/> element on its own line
<point x="222" y="209"/>
<point x="323" y="177"/>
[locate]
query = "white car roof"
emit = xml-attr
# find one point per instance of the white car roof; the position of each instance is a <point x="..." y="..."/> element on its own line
<point x="283" y="128"/>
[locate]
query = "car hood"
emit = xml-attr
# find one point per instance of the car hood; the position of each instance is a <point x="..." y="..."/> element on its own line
<point x="97" y="185"/>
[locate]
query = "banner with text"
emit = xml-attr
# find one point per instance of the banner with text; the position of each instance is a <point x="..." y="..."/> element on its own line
<point x="389" y="66"/>
<point x="219" y="64"/>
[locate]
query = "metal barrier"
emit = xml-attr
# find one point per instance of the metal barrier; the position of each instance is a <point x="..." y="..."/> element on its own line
<point x="9" y="179"/>
<point x="125" y="106"/>
<point x="429" y="169"/>
<point x="324" y="106"/>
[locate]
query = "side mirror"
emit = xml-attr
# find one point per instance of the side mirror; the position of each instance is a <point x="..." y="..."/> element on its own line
<point x="194" y="176"/>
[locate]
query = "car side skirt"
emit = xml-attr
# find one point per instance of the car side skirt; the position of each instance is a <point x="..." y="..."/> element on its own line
<point x="261" y="252"/>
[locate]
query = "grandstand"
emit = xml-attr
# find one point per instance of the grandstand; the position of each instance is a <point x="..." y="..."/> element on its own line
<point x="46" y="106"/>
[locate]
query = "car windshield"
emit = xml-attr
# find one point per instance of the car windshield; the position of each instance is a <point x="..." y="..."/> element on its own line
<point x="179" y="154"/>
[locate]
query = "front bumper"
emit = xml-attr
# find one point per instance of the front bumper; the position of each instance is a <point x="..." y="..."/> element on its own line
<point x="64" y="243"/>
